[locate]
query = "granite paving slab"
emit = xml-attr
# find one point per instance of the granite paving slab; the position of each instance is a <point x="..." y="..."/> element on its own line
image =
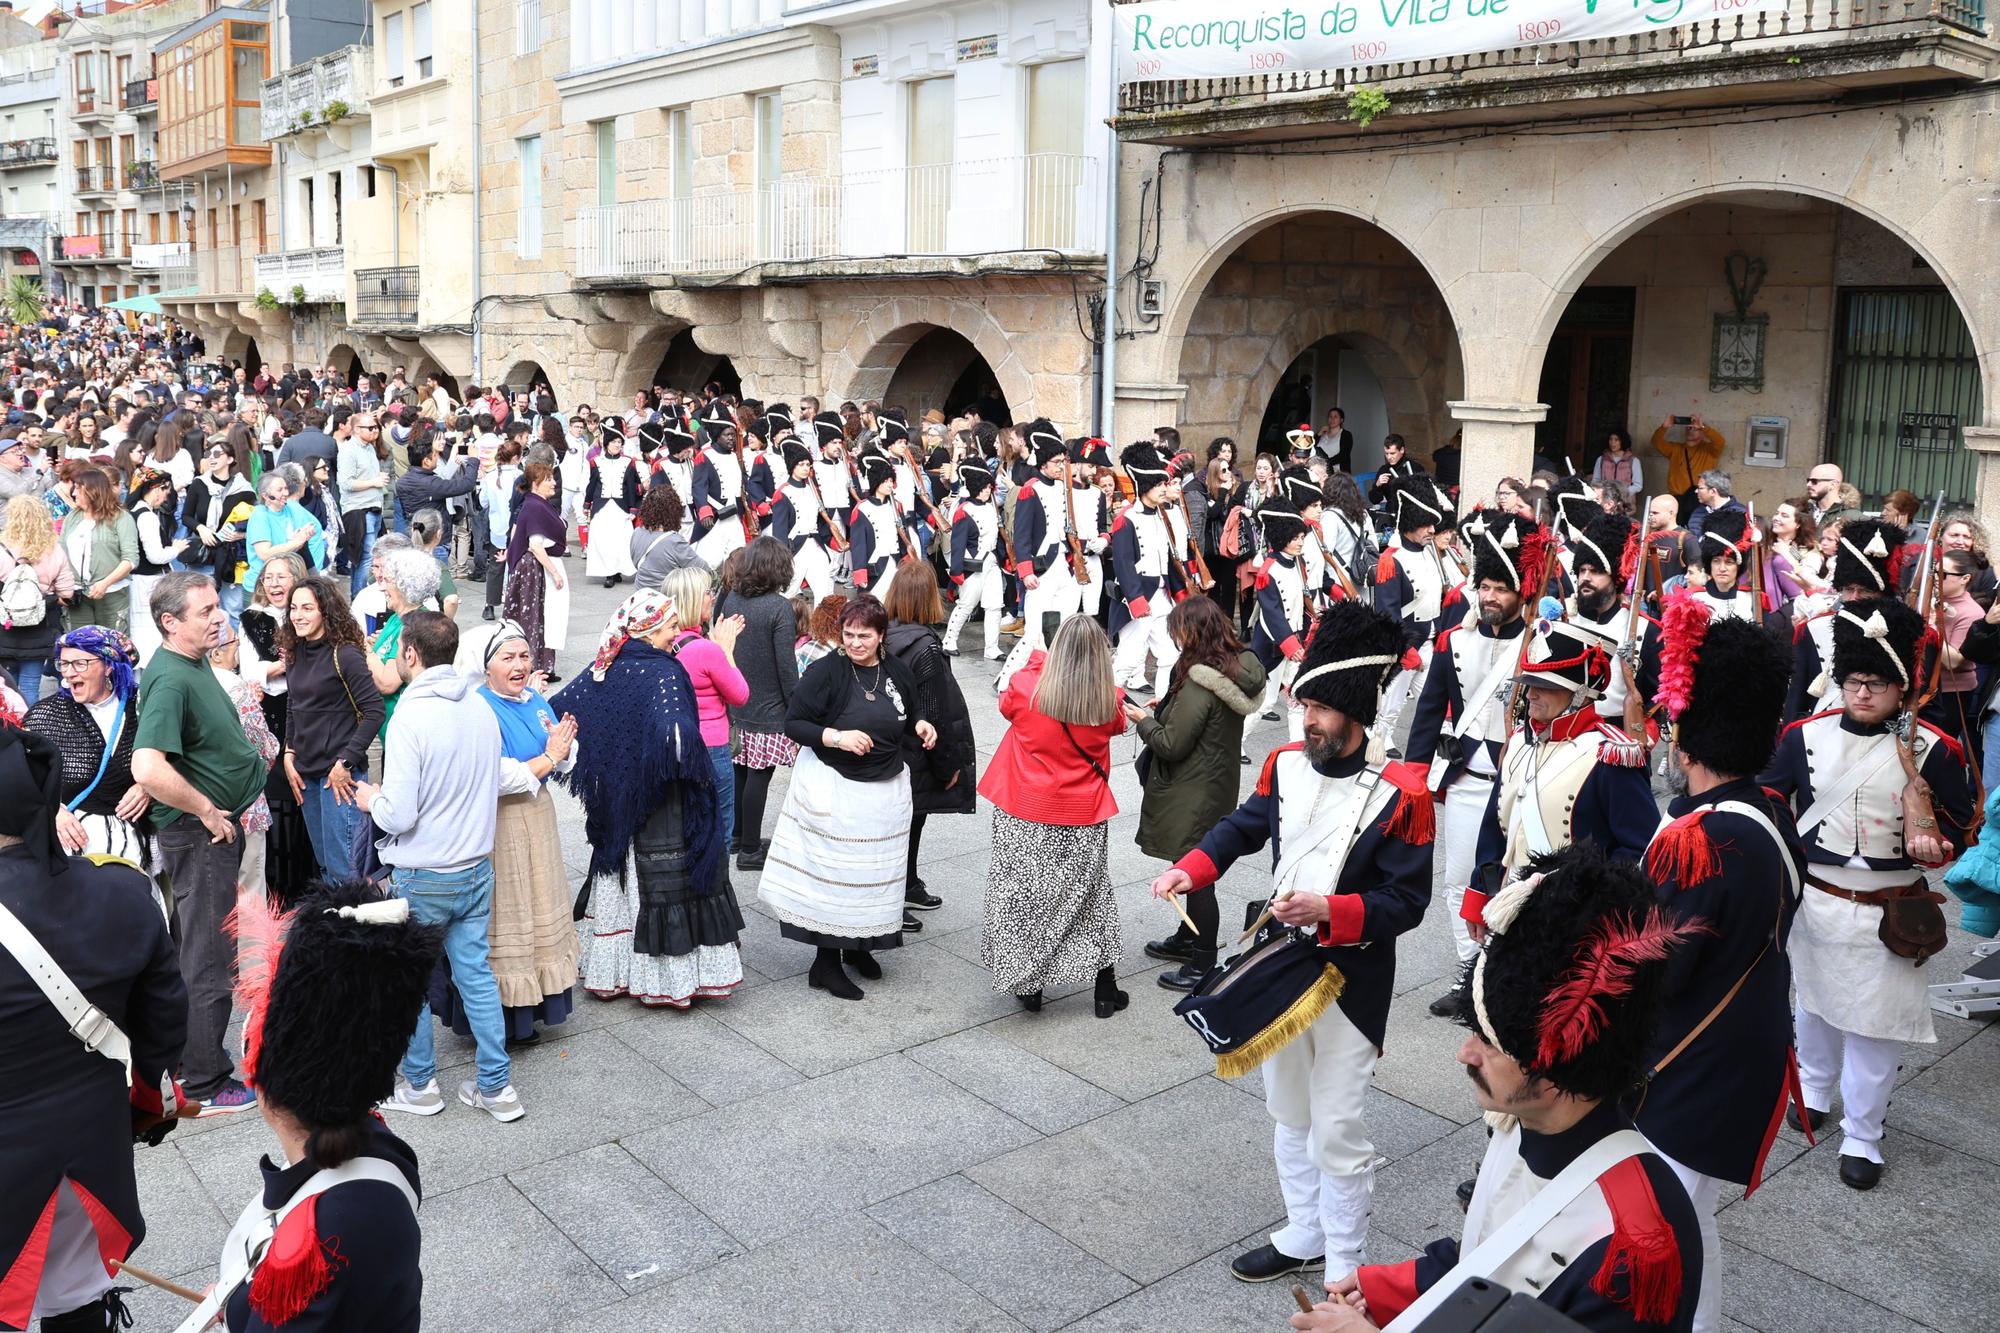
<point x="493" y="1260"/>
<point x="1030" y="1089"/>
<point x="630" y="1223"/>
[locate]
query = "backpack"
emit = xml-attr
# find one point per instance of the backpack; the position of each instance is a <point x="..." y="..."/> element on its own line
<point x="22" y="602"/>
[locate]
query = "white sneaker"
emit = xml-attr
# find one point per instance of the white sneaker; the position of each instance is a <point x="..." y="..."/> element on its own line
<point x="426" y="1100"/>
<point x="504" y="1105"/>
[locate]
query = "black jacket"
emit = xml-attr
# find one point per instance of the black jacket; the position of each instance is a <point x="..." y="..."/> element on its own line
<point x="820" y="699"/>
<point x="421" y="488"/>
<point x="938" y="700"/>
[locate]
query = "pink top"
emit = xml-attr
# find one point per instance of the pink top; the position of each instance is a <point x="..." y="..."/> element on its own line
<point x="718" y="685"/>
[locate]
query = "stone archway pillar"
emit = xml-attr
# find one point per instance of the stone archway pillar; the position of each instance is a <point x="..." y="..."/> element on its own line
<point x="1984" y="442"/>
<point x="1499" y="442"/>
<point x="1141" y="407"/>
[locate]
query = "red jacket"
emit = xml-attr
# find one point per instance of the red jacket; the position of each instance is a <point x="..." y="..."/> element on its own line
<point x="1036" y="774"/>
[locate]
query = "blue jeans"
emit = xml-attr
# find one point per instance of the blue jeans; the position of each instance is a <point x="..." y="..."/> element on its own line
<point x="725" y="792"/>
<point x="461" y="901"/>
<point x="231" y="597"/>
<point x="371" y="525"/>
<point x="28" y="675"/>
<point x="330" y="825"/>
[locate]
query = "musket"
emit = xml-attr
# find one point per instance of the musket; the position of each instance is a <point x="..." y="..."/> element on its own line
<point x="1756" y="559"/>
<point x="1929" y="559"/>
<point x="1340" y="574"/>
<point x="1626" y="644"/>
<point x="1203" y="580"/>
<point x="1929" y="604"/>
<point x="742" y="486"/>
<point x="1079" y="566"/>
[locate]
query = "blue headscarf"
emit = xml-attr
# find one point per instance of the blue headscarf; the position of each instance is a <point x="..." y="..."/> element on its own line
<point x="109" y="646"/>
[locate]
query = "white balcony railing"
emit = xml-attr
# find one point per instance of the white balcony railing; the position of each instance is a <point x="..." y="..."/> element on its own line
<point x="161" y="255"/>
<point x="221" y="271"/>
<point x="311" y="94"/>
<point x="321" y="275"/>
<point x="1038" y="201"/>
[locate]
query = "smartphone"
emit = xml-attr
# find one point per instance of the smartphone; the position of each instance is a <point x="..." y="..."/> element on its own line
<point x="1683" y="421"/>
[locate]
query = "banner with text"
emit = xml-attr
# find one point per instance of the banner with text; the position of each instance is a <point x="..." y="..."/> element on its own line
<point x="1221" y="39"/>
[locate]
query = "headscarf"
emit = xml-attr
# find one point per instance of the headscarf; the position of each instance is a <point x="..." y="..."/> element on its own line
<point x="504" y="633"/>
<point x="144" y="480"/>
<point x="643" y="612"/>
<point x="111" y="648"/>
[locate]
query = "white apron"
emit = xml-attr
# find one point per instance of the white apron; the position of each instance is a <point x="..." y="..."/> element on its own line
<point x="610" y="550"/>
<point x="555" y="607"/>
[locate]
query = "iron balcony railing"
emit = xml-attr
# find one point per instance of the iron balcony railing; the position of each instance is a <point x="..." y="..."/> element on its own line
<point x="1035" y="201"/>
<point x="142" y="175"/>
<point x="222" y="270"/>
<point x="141" y="93"/>
<point x="27" y="152"/>
<point x="386" y="297"/>
<point x="96" y="180"/>
<point x="1807" y="28"/>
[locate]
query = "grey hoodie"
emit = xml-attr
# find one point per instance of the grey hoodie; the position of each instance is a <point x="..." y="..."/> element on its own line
<point x="655" y="554"/>
<point x="440" y="794"/>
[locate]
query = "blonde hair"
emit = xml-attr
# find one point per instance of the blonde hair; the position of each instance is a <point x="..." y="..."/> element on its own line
<point x="1076" y="685"/>
<point x="30" y="529"/>
<point x="687" y="588"/>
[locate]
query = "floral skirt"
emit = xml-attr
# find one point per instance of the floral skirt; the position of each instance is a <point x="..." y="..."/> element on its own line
<point x="1050" y="917"/>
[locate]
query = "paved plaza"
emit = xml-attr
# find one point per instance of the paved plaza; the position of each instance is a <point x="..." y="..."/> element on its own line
<point x="934" y="1158"/>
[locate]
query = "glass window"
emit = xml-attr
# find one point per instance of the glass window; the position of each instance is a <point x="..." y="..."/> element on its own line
<point x="528" y="26"/>
<point x="681" y="132"/>
<point x="420" y="38"/>
<point x="927" y="199"/>
<point x="1055" y="107"/>
<point x="528" y="227"/>
<point x="607" y="162"/>
<point x="392" y="48"/>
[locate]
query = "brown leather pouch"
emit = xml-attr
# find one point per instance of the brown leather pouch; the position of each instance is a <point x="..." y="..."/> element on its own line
<point x="1912" y="921"/>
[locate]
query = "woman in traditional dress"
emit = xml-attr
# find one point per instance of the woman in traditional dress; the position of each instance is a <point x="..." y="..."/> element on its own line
<point x="93" y="715"/>
<point x="289" y="862"/>
<point x="610" y="498"/>
<point x="834" y="872"/>
<point x="537" y="586"/>
<point x="1050" y="918"/>
<point x="531" y="935"/>
<point x="661" y="922"/>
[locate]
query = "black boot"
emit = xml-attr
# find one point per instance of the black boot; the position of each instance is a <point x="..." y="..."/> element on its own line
<point x="862" y="962"/>
<point x="102" y="1315"/>
<point x="1109" y="998"/>
<point x="1175" y="948"/>
<point x="752" y="856"/>
<point x="1189" y="974"/>
<point x="917" y="896"/>
<point x="1032" y="1001"/>
<point x="911" y="926"/>
<point x="735" y="843"/>
<point x="826" y="975"/>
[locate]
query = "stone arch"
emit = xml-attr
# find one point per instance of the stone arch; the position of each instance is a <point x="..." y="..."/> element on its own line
<point x="636" y="366"/>
<point x="526" y="372"/>
<point x="345" y="358"/>
<point x="864" y="368"/>
<point x="1400" y="364"/>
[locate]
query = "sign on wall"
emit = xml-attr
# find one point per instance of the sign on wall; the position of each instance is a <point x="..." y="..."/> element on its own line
<point x="1221" y="39"/>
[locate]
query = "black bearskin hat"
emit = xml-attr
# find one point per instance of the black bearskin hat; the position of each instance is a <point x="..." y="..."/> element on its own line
<point x="1280" y="523"/>
<point x="1574" y="503"/>
<point x="975" y="478"/>
<point x="1569" y="981"/>
<point x="778" y="414"/>
<point x="829" y="427"/>
<point x="327" y="1022"/>
<point x="1723" y="683"/>
<point x="1353" y="651"/>
<point x="875" y="470"/>
<point x="1300" y="488"/>
<point x="894" y="429"/>
<point x="1565" y="657"/>
<point x="1600" y="543"/>
<point x="795" y="454"/>
<point x="1866" y="555"/>
<point x="1723" y="532"/>
<point x="760" y="429"/>
<point x="1144" y="465"/>
<point x="1416" y="503"/>
<point x="674" y="436"/>
<point x="1876" y="636"/>
<point x="1041" y="436"/>
<point x="651" y="435"/>
<point x="1496" y="547"/>
<point x="1091" y="450"/>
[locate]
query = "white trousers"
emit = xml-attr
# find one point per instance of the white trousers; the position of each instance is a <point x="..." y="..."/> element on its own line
<point x="1705" y="1192"/>
<point x="1406" y="686"/>
<point x="1464" y="811"/>
<point x="720" y="540"/>
<point x="984" y="590"/>
<point x="1147" y="633"/>
<point x="1864" y="1067"/>
<point x="1055" y="593"/>
<point x="812" y="569"/>
<point x="1315" y="1088"/>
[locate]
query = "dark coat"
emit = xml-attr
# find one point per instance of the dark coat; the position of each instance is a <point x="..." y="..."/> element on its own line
<point x="1195" y="737"/>
<point x="940" y="702"/>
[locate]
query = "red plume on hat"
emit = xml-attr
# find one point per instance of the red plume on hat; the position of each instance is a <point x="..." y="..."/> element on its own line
<point x="1536" y="550"/>
<point x="1683" y="625"/>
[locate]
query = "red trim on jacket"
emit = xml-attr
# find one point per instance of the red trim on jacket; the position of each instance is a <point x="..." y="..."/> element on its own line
<point x="24" y="1279"/>
<point x="1389" y="1289"/>
<point x="1473" y="908"/>
<point x="1271" y="763"/>
<point x="1345" y="913"/>
<point x="1199" y="868"/>
<point x="1385" y="566"/>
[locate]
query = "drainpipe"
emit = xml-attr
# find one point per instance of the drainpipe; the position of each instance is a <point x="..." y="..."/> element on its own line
<point x="1107" y="362"/>
<point x="478" y="219"/>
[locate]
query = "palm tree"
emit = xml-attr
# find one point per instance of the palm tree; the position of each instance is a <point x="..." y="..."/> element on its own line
<point x="23" y="300"/>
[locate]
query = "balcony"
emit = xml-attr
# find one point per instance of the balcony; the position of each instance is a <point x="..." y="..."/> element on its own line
<point x="915" y="216"/>
<point x="99" y="179"/>
<point x="142" y="175"/>
<point x="1819" y="50"/>
<point x="152" y="257"/>
<point x="222" y="272"/>
<point x="91" y="107"/>
<point x="91" y="250"/>
<point x="141" y="95"/>
<point x="27" y="153"/>
<point x="309" y="277"/>
<point x="29" y="85"/>
<point x="318" y="94"/>
<point x="386" y="297"/>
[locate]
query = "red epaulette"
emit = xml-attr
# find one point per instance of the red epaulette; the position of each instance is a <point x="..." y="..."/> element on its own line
<point x="1642" y="1254"/>
<point x="1799" y="630"/>
<point x="1118" y="521"/>
<point x="1617" y="748"/>
<point x="1024" y="490"/>
<point x="1264" y="571"/>
<point x="296" y="1269"/>
<point x="1441" y="646"/>
<point x="1385" y="567"/>
<point x="1453" y="595"/>
<point x="1791" y="727"/>
<point x="1271" y="763"/>
<point x="1414" y="819"/>
<point x="1683" y="852"/>
<point x="1951" y="744"/>
<point x="960" y="512"/>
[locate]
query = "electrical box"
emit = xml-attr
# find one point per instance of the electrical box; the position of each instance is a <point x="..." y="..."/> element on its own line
<point x="1152" y="298"/>
<point x="1767" y="443"/>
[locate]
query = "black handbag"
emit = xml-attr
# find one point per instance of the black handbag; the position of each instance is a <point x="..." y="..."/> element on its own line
<point x="1252" y="1005"/>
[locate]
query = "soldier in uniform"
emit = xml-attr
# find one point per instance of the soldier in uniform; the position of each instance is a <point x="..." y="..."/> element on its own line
<point x="1880" y="798"/>
<point x="1728" y="864"/>
<point x="1601" y="556"/>
<point x="875" y="530"/>
<point x="718" y="495"/>
<point x="1411" y="583"/>
<point x="1561" y="1002"/>
<point x="833" y="480"/>
<point x="1350" y="841"/>
<point x="1305" y="495"/>
<point x="1093" y="520"/>
<point x="1283" y="619"/>
<point x="1863" y="563"/>
<point x="1041" y="555"/>
<point x="798" y="521"/>
<point x="1460" y="725"/>
<point x="975" y="564"/>
<point x="1144" y="559"/>
<point x="1722" y="554"/>
<point x="78" y="1085"/>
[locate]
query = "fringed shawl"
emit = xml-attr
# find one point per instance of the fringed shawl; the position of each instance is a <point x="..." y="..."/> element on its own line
<point x="638" y="746"/>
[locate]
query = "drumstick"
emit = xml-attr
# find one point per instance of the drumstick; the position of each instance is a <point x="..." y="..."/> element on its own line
<point x="155" y="1280"/>
<point x="1174" y="901"/>
<point x="1262" y="917"/>
<point x="1305" y="1302"/>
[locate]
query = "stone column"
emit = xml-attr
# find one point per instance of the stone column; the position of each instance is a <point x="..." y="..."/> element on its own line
<point x="1499" y="441"/>
<point x="1141" y="407"/>
<point x="1984" y="442"/>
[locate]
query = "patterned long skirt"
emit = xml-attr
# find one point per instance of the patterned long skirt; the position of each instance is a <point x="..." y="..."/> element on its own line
<point x="650" y="935"/>
<point x="1050" y="917"/>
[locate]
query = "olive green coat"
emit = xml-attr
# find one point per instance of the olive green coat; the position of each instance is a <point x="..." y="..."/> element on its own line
<point x="1196" y="740"/>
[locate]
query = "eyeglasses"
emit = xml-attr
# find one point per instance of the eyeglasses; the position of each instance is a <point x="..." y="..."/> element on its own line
<point x="1860" y="686"/>
<point x="70" y="665"/>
